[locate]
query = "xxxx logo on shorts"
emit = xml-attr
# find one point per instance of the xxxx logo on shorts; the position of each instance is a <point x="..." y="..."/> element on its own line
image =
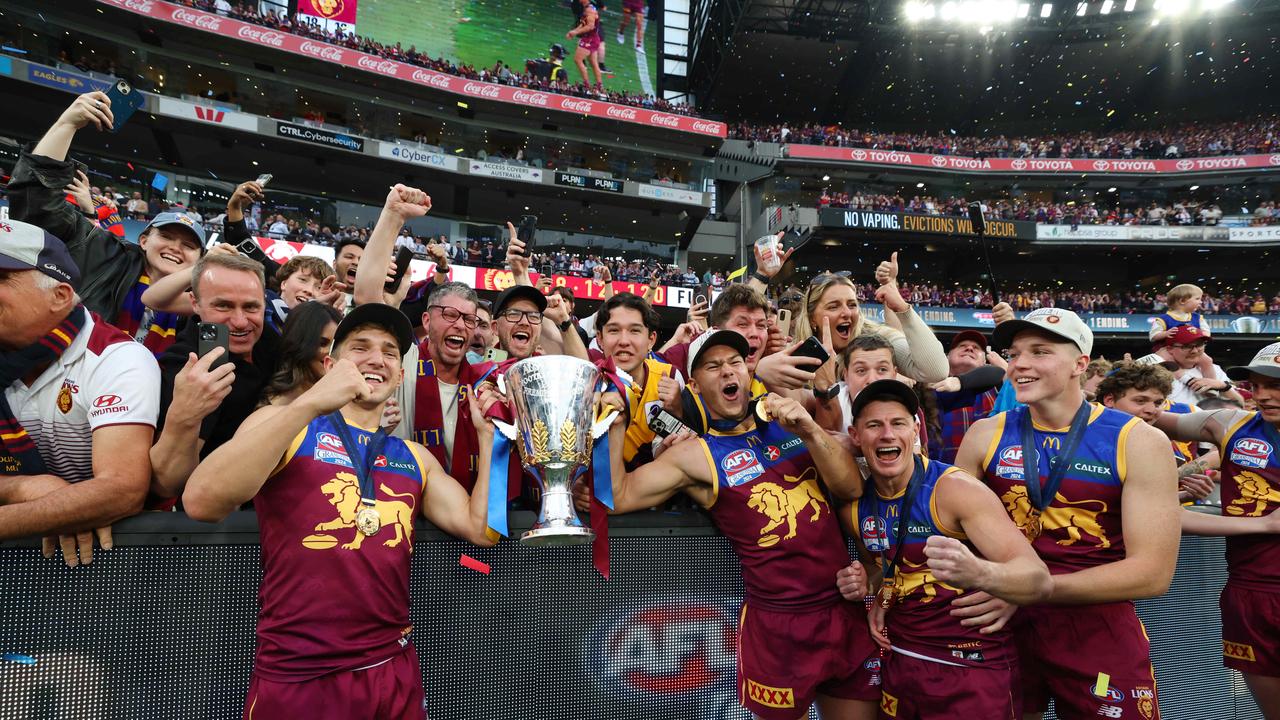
<point x="771" y="696"/>
<point x="888" y="704"/>
<point x="1238" y="651"/>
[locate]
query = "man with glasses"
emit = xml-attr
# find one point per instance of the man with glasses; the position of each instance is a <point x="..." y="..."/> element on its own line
<point x="438" y="379"/>
<point x="1186" y="345"/>
<point x="517" y="320"/>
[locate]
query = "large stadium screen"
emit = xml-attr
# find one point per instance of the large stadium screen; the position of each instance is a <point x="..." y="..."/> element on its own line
<point x="481" y="32"/>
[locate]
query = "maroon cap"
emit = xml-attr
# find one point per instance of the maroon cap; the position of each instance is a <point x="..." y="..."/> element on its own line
<point x="1187" y="335"/>
<point x="973" y="335"/>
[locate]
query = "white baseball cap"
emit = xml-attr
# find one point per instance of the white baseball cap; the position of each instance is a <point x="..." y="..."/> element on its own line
<point x="1266" y="362"/>
<point x="1055" y="321"/>
<point x="708" y="340"/>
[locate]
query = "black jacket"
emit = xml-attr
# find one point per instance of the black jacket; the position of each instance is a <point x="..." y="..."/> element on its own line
<point x="246" y="390"/>
<point x="109" y="266"/>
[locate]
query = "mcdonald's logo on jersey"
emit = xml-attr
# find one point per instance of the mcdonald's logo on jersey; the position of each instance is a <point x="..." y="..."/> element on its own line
<point x="1052" y="442"/>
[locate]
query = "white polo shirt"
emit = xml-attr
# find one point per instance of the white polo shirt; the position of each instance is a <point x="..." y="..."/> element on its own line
<point x="1182" y="392"/>
<point x="104" y="378"/>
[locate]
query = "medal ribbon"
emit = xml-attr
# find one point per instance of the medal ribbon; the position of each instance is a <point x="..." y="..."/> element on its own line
<point x="362" y="466"/>
<point x="908" y="499"/>
<point x="1041" y="496"/>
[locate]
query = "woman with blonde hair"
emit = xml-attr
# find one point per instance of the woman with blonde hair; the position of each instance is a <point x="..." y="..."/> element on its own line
<point x="831" y="312"/>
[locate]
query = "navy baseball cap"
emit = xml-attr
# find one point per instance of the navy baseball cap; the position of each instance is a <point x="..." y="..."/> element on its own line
<point x="174" y="218"/>
<point x="520" y="292"/>
<point x="384" y="316"/>
<point x="24" y="246"/>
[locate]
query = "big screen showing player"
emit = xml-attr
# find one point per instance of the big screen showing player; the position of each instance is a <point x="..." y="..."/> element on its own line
<point x="481" y="32"/>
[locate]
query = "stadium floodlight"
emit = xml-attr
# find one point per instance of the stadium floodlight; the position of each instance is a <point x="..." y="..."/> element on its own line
<point x="1046" y="10"/>
<point x="1024" y="9"/>
<point x="916" y="11"/>
<point x="1081" y="9"/>
<point x="1106" y="7"/>
<point x="948" y="11"/>
<point x="1173" y="7"/>
<point x="1214" y="4"/>
<point x="1129" y="5"/>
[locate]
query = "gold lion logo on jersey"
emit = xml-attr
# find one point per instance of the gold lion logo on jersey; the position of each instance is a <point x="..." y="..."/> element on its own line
<point x="1255" y="491"/>
<point x="784" y="505"/>
<point x="344" y="494"/>
<point x="911" y="577"/>
<point x="1076" y="518"/>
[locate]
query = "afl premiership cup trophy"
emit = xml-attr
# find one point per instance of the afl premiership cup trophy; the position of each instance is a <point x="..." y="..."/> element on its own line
<point x="555" y="429"/>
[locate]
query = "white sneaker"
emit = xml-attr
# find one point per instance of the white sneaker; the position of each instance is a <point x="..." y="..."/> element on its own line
<point x="621" y="39"/>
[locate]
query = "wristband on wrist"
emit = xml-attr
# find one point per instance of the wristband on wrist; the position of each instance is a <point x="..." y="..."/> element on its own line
<point x="828" y="394"/>
<point x="564" y="326"/>
<point x="762" y="278"/>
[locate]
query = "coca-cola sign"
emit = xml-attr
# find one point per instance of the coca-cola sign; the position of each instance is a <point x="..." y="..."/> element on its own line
<point x="142" y="6"/>
<point x="378" y="65"/>
<point x="201" y="20"/>
<point x="665" y="120"/>
<point x="321" y="50"/>
<point x="260" y="35"/>
<point x="582" y="106"/>
<point x="434" y="79"/>
<point x="530" y="98"/>
<point x="704" y="126"/>
<point x="622" y="113"/>
<point x="480" y="89"/>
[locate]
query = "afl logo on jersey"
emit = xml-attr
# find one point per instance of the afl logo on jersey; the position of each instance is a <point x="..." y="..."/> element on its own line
<point x="874" y="535"/>
<point x="329" y="441"/>
<point x="741" y="466"/>
<point x="1251" y="452"/>
<point x="1010" y="465"/>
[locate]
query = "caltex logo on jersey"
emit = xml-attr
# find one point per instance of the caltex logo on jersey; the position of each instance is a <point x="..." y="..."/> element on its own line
<point x="773" y="453"/>
<point x="1251" y="452"/>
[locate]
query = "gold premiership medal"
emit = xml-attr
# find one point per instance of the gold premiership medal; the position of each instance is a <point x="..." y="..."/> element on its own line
<point x="367" y="521"/>
<point x="1034" y="526"/>
<point x="887" y="595"/>
<point x="762" y="412"/>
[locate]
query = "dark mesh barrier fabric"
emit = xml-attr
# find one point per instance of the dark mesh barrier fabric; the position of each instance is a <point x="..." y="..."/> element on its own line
<point x="162" y="627"/>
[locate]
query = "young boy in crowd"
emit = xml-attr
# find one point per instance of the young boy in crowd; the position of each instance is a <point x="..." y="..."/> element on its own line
<point x="1182" y="308"/>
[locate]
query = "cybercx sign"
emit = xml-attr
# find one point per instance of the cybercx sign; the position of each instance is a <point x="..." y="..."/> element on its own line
<point x="675" y="652"/>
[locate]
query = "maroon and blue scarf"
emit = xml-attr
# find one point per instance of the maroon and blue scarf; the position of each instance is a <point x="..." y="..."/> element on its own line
<point x="18" y="452"/>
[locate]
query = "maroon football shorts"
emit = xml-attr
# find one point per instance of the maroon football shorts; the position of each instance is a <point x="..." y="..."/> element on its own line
<point x="392" y="689"/>
<point x="785" y="659"/>
<point x="916" y="689"/>
<point x="1065" y="650"/>
<point x="1250" y="643"/>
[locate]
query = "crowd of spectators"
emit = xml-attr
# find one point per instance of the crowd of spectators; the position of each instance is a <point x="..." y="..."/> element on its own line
<point x="1193" y="139"/>
<point x="1179" y="212"/>
<point x="1028" y="297"/>
<point x="499" y="73"/>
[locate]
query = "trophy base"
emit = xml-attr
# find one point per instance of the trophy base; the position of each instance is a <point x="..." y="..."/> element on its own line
<point x="553" y="536"/>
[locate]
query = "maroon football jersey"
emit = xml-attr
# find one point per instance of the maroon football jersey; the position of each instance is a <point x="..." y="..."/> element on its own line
<point x="772" y="507"/>
<point x="331" y="598"/>
<point x="1251" y="488"/>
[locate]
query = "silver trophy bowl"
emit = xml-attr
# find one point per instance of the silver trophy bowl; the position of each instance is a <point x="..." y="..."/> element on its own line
<point x="554" y="404"/>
